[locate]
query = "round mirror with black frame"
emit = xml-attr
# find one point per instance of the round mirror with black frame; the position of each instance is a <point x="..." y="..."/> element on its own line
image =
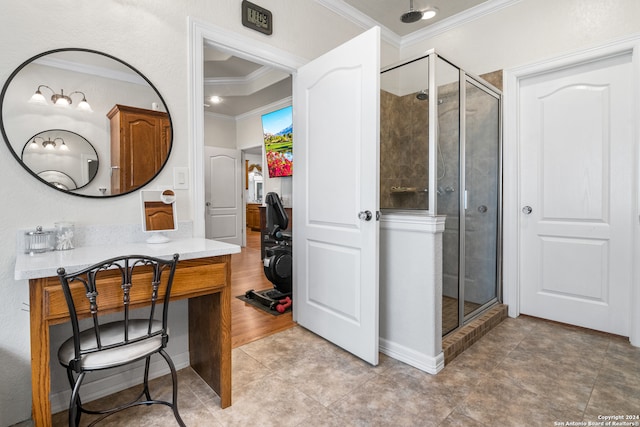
<point x="62" y="151"/>
<point x="105" y="101"/>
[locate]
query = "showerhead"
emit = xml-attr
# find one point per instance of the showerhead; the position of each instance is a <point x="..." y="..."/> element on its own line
<point x="422" y="95"/>
<point x="411" y="15"/>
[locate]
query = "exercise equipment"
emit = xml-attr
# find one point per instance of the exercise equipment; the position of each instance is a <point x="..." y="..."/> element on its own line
<point x="278" y="260"/>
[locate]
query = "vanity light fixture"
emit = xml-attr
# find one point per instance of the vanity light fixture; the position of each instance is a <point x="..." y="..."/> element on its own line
<point x="60" y="99"/>
<point x="49" y="144"/>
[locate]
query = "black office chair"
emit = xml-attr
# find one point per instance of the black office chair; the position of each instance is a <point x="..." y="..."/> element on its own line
<point x="145" y="281"/>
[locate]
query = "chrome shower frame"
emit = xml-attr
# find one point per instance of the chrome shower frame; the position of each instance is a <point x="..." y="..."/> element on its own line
<point x="434" y="103"/>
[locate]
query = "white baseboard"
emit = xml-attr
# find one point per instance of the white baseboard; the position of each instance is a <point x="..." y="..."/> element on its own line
<point x="122" y="380"/>
<point x="429" y="364"/>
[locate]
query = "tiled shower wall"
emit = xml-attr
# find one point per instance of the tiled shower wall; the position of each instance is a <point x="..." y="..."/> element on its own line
<point x="404" y="151"/>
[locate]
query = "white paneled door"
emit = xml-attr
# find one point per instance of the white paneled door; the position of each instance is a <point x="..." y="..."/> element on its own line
<point x="576" y="192"/>
<point x="336" y="126"/>
<point x="223" y="195"/>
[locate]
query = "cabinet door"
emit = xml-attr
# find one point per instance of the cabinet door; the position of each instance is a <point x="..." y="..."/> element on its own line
<point x="158" y="216"/>
<point x="139" y="148"/>
<point x="140" y="144"/>
<point x="163" y="151"/>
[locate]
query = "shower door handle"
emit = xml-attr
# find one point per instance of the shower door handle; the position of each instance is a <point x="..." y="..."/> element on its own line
<point x="365" y="215"/>
<point x="527" y="210"/>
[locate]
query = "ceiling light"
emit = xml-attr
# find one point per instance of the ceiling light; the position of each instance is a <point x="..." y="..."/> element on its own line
<point x="215" y="99"/>
<point x="60" y="99"/>
<point x="429" y="12"/>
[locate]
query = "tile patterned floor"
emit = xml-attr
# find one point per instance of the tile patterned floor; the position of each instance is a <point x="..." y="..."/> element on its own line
<point x="525" y="372"/>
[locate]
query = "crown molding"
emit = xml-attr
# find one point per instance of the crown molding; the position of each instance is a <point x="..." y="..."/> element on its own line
<point x="249" y="78"/>
<point x="284" y="102"/>
<point x="92" y="70"/>
<point x="247" y="85"/>
<point x="354" y="15"/>
<point x="457" y="20"/>
<point x="360" y="19"/>
<point x="219" y="116"/>
<point x="276" y="105"/>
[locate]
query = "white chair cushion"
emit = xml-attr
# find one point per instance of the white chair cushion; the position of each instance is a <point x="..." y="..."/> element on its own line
<point x="112" y="333"/>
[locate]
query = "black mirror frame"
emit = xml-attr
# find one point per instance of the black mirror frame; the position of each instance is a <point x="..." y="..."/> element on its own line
<point x="32" y="173"/>
<point x="62" y="130"/>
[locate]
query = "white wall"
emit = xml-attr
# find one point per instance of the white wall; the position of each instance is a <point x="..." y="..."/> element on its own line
<point x="219" y="131"/>
<point x="150" y="35"/>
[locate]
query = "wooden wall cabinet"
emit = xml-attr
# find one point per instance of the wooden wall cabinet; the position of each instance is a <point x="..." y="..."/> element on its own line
<point x="140" y="144"/>
<point x="253" y="216"/>
<point x="158" y="216"/>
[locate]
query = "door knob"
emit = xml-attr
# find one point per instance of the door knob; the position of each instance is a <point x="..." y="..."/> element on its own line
<point x="527" y="210"/>
<point x="365" y="215"/>
<point x="207" y="204"/>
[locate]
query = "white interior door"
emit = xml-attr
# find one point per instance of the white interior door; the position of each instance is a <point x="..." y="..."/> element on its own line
<point x="336" y="144"/>
<point x="223" y="195"/>
<point x="577" y="167"/>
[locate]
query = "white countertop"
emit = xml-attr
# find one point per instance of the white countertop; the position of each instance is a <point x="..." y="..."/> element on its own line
<point x="47" y="264"/>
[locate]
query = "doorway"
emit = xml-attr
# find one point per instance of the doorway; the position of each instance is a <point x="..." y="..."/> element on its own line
<point x="233" y="129"/>
<point x="576" y="191"/>
<point x="248" y="48"/>
<point x="585" y="190"/>
<point x="224" y="202"/>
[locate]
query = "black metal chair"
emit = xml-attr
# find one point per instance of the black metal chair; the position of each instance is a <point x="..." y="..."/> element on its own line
<point x="145" y="281"/>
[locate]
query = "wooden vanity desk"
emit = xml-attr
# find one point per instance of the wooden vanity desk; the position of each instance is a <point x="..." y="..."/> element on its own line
<point x="203" y="276"/>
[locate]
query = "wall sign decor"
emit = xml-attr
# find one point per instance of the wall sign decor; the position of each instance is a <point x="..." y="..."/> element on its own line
<point x="257" y="18"/>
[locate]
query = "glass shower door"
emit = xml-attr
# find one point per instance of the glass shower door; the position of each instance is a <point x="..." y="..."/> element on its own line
<point x="448" y="189"/>
<point x="481" y="198"/>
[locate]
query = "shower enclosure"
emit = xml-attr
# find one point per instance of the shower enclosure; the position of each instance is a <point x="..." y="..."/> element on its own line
<point x="440" y="151"/>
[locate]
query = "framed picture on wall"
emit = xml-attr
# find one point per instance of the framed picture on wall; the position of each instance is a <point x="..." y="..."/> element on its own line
<point x="277" y="129"/>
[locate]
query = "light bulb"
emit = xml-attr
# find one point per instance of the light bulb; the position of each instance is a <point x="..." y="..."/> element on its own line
<point x="38" y="98"/>
<point x="84" y="106"/>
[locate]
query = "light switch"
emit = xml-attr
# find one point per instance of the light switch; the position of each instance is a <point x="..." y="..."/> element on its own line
<point x="181" y="178"/>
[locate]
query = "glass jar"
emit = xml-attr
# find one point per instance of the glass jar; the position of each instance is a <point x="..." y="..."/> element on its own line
<point x="64" y="235"/>
<point x="39" y="241"/>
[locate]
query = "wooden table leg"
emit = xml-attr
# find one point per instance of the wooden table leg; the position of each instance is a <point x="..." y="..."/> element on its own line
<point x="40" y="371"/>
<point x="210" y="340"/>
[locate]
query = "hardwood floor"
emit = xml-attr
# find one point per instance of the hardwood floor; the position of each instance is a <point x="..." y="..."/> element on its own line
<point x="249" y="323"/>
